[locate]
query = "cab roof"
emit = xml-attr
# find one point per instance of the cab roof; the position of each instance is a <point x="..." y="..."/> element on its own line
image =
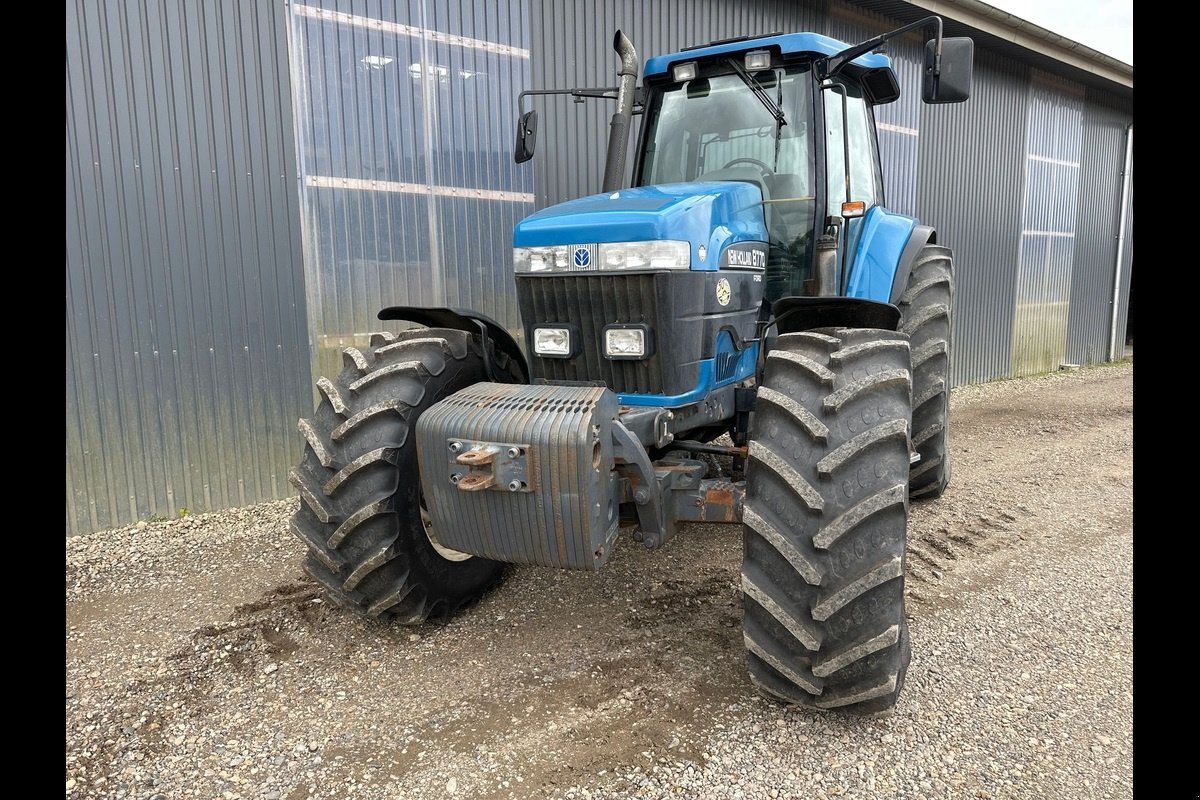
<point x="788" y="44"/>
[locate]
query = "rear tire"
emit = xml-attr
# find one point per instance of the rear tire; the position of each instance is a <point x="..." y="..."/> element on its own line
<point x="825" y="521"/>
<point x="925" y="315"/>
<point x="359" y="483"/>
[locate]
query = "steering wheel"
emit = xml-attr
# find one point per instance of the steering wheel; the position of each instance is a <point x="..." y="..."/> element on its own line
<point x="766" y="168"/>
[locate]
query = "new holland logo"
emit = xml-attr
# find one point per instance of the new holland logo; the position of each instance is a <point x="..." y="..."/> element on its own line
<point x="583" y="259"/>
<point x="723" y="292"/>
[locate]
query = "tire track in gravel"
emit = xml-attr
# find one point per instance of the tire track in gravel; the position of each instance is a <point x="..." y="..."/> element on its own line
<point x="555" y="680"/>
<point x="1015" y="482"/>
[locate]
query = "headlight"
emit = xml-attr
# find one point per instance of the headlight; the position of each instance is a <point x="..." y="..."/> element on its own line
<point x="542" y="259"/>
<point x="554" y="342"/>
<point x="662" y="254"/>
<point x="627" y="341"/>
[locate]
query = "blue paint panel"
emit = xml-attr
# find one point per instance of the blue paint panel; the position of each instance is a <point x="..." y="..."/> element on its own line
<point x="881" y="241"/>
<point x="708" y="382"/>
<point x="787" y="43"/>
<point x="709" y="213"/>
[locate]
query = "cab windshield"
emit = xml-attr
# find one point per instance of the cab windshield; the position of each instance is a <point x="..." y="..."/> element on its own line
<point x="715" y="128"/>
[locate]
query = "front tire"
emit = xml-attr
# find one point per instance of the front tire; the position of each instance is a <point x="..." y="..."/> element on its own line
<point x="360" y="489"/>
<point x="825" y="521"/>
<point x="925" y="315"/>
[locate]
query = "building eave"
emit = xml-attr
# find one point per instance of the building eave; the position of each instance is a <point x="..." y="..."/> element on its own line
<point x="1101" y="69"/>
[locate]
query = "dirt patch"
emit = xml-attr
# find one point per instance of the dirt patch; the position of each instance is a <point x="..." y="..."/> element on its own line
<point x="226" y="674"/>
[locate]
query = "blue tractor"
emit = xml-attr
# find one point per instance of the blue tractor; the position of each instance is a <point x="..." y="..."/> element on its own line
<point x="745" y="334"/>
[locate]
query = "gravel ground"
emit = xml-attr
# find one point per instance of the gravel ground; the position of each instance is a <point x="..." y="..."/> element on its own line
<point x="202" y="663"/>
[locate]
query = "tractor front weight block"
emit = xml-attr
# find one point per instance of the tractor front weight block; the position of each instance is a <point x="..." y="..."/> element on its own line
<point x="537" y="474"/>
<point x="523" y="473"/>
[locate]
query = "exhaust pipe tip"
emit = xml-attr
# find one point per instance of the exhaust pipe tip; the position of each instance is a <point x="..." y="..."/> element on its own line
<point x="628" y="54"/>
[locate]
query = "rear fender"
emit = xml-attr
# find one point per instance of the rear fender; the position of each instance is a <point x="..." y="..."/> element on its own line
<point x="882" y="241"/>
<point x="921" y="236"/>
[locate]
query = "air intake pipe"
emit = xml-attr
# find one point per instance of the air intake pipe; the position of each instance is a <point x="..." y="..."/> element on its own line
<point x="622" y="118"/>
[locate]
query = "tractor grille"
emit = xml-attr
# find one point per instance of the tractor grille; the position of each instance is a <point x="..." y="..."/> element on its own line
<point x="591" y="302"/>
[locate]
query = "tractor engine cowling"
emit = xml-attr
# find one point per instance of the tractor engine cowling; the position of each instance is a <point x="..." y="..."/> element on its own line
<point x="655" y="291"/>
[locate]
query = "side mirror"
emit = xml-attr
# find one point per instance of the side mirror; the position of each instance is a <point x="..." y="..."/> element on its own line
<point x="953" y="83"/>
<point x="526" y="137"/>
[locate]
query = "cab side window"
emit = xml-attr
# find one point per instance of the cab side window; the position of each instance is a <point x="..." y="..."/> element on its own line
<point x="865" y="183"/>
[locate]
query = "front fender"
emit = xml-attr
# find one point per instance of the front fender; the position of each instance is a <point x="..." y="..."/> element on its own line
<point x="464" y="319"/>
<point x="796" y="314"/>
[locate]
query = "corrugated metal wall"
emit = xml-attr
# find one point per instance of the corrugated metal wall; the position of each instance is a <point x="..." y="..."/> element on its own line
<point x="188" y="341"/>
<point x="187" y="360"/>
<point x="1053" y="133"/>
<point x="405" y="116"/>
<point x="970" y="189"/>
<point x="1100" y="179"/>
<point x="572" y="46"/>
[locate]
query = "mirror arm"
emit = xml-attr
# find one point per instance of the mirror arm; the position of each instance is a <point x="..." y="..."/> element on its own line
<point x="832" y="65"/>
<point x="580" y="94"/>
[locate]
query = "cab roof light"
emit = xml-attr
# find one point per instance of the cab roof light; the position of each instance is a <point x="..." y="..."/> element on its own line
<point x="684" y="72"/>
<point x="758" y="60"/>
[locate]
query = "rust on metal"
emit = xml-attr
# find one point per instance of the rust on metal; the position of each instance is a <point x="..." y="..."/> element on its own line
<point x="476" y="482"/>
<point x="478" y="456"/>
<point x="717" y="505"/>
<point x="713" y="501"/>
<point x="720" y="497"/>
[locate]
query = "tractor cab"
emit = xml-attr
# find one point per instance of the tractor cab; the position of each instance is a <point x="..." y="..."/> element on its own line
<point x="790" y="114"/>
<point x="725" y="123"/>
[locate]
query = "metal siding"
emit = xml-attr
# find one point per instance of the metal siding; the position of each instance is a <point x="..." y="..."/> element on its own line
<point x="408" y="188"/>
<point x="970" y="189"/>
<point x="1052" y="166"/>
<point x="185" y="293"/>
<point x="186" y="357"/>
<point x="1004" y="46"/>
<point x="572" y="46"/>
<point x="1101" y="161"/>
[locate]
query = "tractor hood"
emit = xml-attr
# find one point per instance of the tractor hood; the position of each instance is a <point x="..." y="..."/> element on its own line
<point x="708" y="214"/>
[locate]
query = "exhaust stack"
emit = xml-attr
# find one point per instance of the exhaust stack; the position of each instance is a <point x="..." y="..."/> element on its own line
<point x="622" y="118"/>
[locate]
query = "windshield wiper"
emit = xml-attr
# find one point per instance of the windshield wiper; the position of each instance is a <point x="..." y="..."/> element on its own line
<point x="759" y="92"/>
